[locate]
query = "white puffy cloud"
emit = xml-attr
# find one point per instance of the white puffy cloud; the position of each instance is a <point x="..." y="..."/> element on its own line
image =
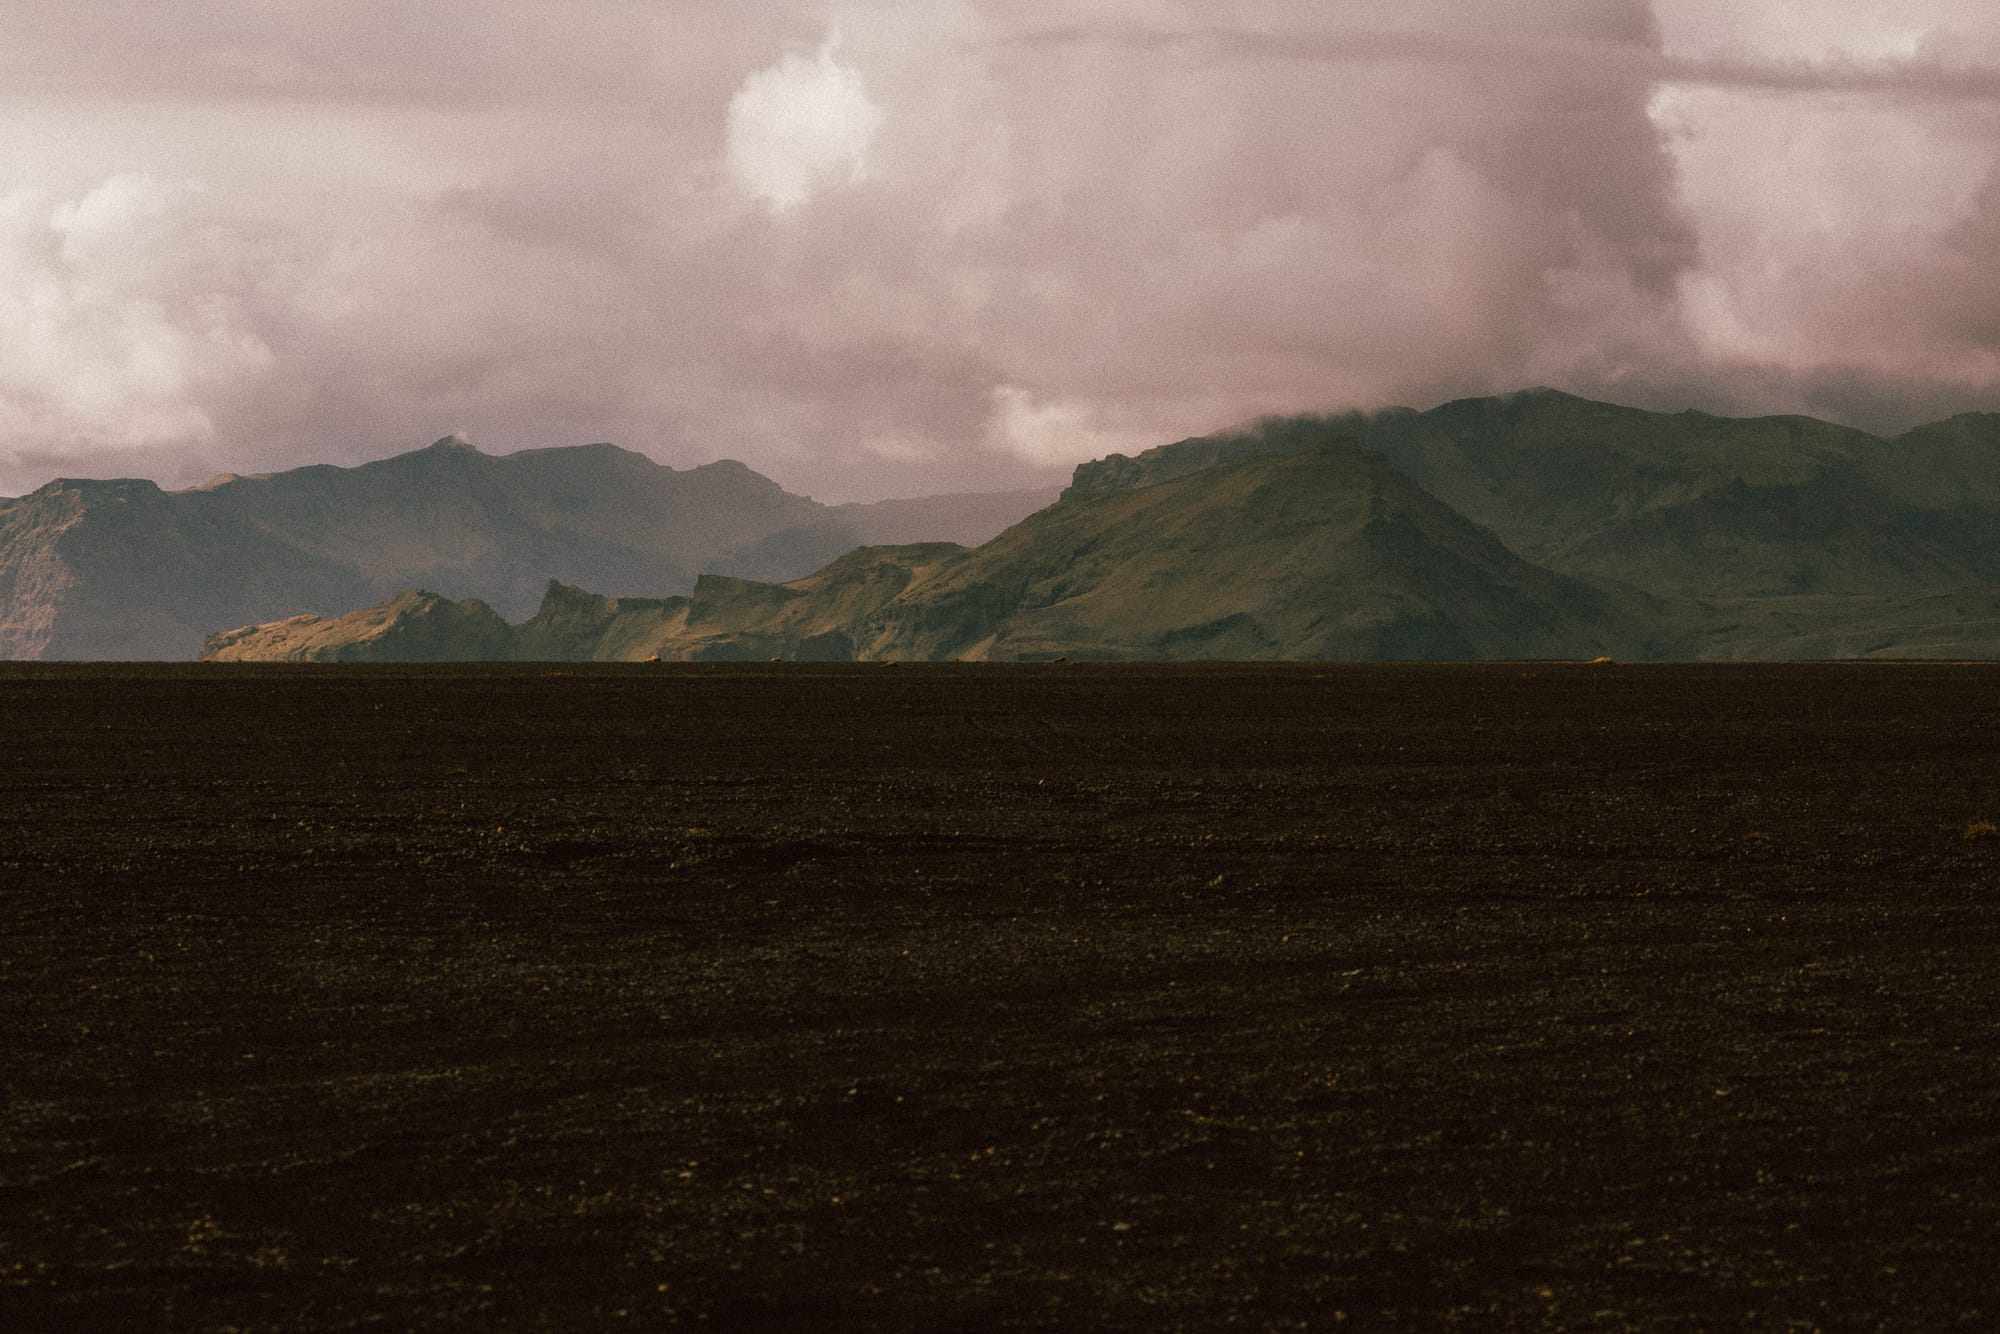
<point x="118" y="323"/>
<point x="800" y="125"/>
<point x="1842" y="212"/>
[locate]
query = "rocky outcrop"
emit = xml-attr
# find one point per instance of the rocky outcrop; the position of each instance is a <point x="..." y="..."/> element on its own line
<point x="413" y="626"/>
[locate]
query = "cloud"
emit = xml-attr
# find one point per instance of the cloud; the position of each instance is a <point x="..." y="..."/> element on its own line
<point x="117" y="320"/>
<point x="1932" y="75"/>
<point x="801" y="125"/>
<point x="1843" y="238"/>
<point x="967" y="242"/>
<point x="1279" y="233"/>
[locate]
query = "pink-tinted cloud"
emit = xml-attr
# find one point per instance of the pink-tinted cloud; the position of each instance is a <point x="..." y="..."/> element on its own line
<point x="882" y="246"/>
<point x="1931" y="76"/>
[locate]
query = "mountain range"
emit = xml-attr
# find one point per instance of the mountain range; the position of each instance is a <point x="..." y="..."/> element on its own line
<point x="124" y="570"/>
<point x="1536" y="524"/>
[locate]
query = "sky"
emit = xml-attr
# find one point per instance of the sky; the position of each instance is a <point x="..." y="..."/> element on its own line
<point x="900" y="247"/>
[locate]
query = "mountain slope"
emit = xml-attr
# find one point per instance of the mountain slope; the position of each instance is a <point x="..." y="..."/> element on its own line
<point x="1323" y="552"/>
<point x="1679" y="504"/>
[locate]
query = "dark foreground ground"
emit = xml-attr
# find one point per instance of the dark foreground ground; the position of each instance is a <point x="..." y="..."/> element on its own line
<point x="1583" y="997"/>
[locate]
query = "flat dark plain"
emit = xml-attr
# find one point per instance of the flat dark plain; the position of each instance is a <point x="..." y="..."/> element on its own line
<point x="1066" y="996"/>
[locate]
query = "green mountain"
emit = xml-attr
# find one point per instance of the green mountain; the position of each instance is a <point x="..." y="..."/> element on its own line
<point x="1679" y="504"/>
<point x="1320" y="553"/>
<point x="1533" y="525"/>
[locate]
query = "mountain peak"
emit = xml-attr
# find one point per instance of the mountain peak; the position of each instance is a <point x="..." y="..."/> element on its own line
<point x="100" y="488"/>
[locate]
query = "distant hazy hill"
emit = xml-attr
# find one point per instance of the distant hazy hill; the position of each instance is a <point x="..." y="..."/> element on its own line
<point x="122" y="569"/>
<point x="968" y="518"/>
<point x="1532" y="525"/>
